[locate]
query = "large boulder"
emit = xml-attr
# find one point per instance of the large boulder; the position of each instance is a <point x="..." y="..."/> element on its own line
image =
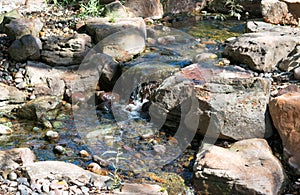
<point x="23" y="26"/>
<point x="284" y="110"/>
<point x="26" y="48"/>
<point x="247" y="167"/>
<point x="231" y="103"/>
<point x="261" y="51"/>
<point x="40" y="108"/>
<point x="146" y="9"/>
<point x="61" y="51"/>
<point x="123" y="45"/>
<point x="281" y="12"/>
<point x="99" y="28"/>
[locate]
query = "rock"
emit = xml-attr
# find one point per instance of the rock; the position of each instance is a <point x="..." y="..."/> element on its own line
<point x="123" y="45"/>
<point x="11" y="95"/>
<point x="4" y="130"/>
<point x="40" y="108"/>
<point x="291" y="62"/>
<point x="109" y="70"/>
<point x="12" y="176"/>
<point x="26" y="5"/>
<point x="131" y="188"/>
<point x="52" y="135"/>
<point x="5" y="18"/>
<point x="116" y="10"/>
<point x="84" y="153"/>
<point x="247" y="167"/>
<point x="45" y="79"/>
<point x="284" y="110"/>
<point x="202" y="57"/>
<point x="59" y="170"/>
<point x="99" y="28"/>
<point x="62" y="51"/>
<point x="178" y="6"/>
<point x="260" y="26"/>
<point x="94" y="167"/>
<point x="253" y="7"/>
<point x="11" y="159"/>
<point x="19" y="27"/>
<point x="27" y="47"/>
<point x="297" y="73"/>
<point x="281" y="12"/>
<point x="230" y="102"/>
<point x="260" y="51"/>
<point x="145" y="9"/>
<point x="59" y="150"/>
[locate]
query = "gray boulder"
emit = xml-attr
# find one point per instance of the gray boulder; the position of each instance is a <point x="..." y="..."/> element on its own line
<point x="247" y="167"/>
<point x="11" y="95"/>
<point x="99" y="28"/>
<point x="261" y="51"/>
<point x="60" y="51"/>
<point x="230" y="102"/>
<point x="27" y="47"/>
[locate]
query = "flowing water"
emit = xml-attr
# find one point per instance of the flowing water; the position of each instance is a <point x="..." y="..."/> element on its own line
<point x="133" y="143"/>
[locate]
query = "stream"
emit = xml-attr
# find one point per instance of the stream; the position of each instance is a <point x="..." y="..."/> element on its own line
<point x="123" y="135"/>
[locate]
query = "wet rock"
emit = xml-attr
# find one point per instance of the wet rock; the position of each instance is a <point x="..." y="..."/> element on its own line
<point x="260" y="51"/>
<point x="123" y="45"/>
<point x="84" y="153"/>
<point x="19" y="27"/>
<point x="27" y="47"/>
<point x="99" y="28"/>
<point x="12" y="176"/>
<point x="40" y="108"/>
<point x="4" y="130"/>
<point x="231" y="170"/>
<point x="230" y="102"/>
<point x="130" y="188"/>
<point x="145" y="9"/>
<point x="284" y="110"/>
<point x="59" y="150"/>
<point x="281" y="12"/>
<point x="11" y="159"/>
<point x="94" y="167"/>
<point x="61" y="51"/>
<point x="52" y="135"/>
<point x="204" y="57"/>
<point x="59" y="170"/>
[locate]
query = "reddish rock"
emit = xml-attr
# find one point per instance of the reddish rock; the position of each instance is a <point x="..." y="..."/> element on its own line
<point x="285" y="112"/>
<point x="281" y="12"/>
<point x="247" y="167"/>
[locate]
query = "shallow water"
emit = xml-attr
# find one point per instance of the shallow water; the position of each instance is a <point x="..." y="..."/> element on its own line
<point x="136" y="137"/>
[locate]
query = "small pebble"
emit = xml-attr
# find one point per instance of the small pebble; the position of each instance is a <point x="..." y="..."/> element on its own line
<point x="59" y="150"/>
<point x="52" y="135"/>
<point x="84" y="153"/>
<point x="12" y="176"/>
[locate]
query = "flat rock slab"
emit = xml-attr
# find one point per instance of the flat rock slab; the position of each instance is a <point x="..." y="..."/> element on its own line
<point x="231" y="103"/>
<point x="247" y="167"/>
<point x="285" y="111"/>
<point x="59" y="170"/>
<point x="11" y="95"/>
<point x="261" y="51"/>
<point x="137" y="189"/>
